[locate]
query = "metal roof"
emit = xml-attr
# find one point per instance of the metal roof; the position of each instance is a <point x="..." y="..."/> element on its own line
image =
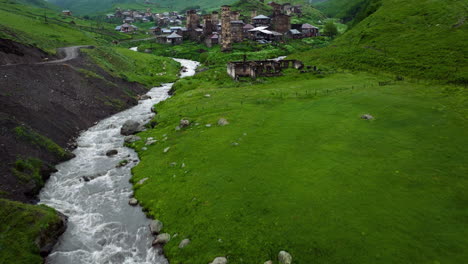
<point x="261" y="17"/>
<point x="174" y="35"/>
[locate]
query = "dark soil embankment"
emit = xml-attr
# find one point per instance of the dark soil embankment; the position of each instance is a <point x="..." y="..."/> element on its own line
<point x="43" y="107"/>
<point x="15" y="53"/>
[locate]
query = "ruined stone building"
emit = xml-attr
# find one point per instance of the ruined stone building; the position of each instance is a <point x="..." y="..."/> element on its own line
<point x="226" y="37"/>
<point x="261" y="68"/>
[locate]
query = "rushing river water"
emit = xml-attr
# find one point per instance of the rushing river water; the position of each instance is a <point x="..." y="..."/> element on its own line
<point x="102" y="227"/>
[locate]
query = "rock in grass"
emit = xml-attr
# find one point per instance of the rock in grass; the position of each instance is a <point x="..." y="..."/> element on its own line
<point x="284" y="257"/>
<point x="367" y="117"/>
<point x="130" y="127"/>
<point x="155" y="226"/>
<point x="132" y="138"/>
<point x="111" y="153"/>
<point x="167" y="149"/>
<point x="268" y="262"/>
<point x="150" y="141"/>
<point x="184" y="123"/>
<point x="223" y="122"/>
<point x="133" y="202"/>
<point x="219" y="260"/>
<point x="162" y="239"/>
<point x="184" y="243"/>
<point x="142" y="181"/>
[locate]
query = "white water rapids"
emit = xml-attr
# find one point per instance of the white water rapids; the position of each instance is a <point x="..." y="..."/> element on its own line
<point x="102" y="227"/>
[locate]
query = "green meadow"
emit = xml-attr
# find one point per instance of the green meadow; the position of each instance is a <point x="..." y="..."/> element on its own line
<point x="297" y="169"/>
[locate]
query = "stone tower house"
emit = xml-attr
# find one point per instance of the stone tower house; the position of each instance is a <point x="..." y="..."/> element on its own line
<point x="208" y="28"/>
<point x="215" y="20"/>
<point x="193" y="21"/>
<point x="226" y="36"/>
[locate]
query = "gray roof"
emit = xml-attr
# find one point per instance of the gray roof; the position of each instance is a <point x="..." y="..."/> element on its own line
<point x="295" y="32"/>
<point x="308" y="26"/>
<point x="261" y="17"/>
<point x="174" y="35"/>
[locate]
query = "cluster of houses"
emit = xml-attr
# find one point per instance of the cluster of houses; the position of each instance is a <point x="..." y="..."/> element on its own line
<point x="128" y="17"/>
<point x="225" y="27"/>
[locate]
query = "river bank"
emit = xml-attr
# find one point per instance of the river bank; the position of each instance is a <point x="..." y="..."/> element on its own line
<point x="44" y="108"/>
<point x="93" y="190"/>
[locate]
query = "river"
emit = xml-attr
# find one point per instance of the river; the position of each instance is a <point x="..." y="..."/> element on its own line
<point x="93" y="192"/>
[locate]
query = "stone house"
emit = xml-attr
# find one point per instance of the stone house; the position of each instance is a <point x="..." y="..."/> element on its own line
<point x="261" y="20"/>
<point x="310" y="31"/>
<point x="174" y="39"/>
<point x="265" y="68"/>
<point x="127" y="28"/>
<point x="67" y="12"/>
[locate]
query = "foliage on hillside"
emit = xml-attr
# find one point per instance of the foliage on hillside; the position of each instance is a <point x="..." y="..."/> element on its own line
<point x="48" y="29"/>
<point x="421" y="39"/>
<point x="92" y="6"/>
<point x="337" y="8"/>
<point x="20" y="225"/>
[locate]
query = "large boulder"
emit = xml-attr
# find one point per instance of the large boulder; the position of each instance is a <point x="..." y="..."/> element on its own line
<point x="133" y="202"/>
<point x="219" y="260"/>
<point x="130" y="127"/>
<point x="162" y="239"/>
<point x="111" y="152"/>
<point x="284" y="257"/>
<point x="155" y="226"/>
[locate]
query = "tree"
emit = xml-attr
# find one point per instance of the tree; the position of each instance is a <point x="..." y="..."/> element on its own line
<point x="330" y="29"/>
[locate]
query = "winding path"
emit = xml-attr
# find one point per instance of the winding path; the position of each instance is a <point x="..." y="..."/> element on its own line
<point x="68" y="54"/>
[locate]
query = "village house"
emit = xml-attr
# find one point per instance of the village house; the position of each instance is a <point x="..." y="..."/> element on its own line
<point x="225" y="27"/>
<point x="126" y="28"/>
<point x="174" y="39"/>
<point x="261" y="20"/>
<point x="66" y="12"/>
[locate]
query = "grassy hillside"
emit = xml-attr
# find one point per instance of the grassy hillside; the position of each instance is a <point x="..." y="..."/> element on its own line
<point x="92" y="6"/>
<point x="134" y="66"/>
<point x="20" y="225"/>
<point x="297" y="169"/>
<point x="421" y="39"/>
<point x="48" y="29"/>
<point x="336" y="8"/>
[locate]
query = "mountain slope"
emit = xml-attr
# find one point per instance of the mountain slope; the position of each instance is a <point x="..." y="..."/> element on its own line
<point x="92" y="6"/>
<point x="48" y="29"/>
<point x="423" y="39"/>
